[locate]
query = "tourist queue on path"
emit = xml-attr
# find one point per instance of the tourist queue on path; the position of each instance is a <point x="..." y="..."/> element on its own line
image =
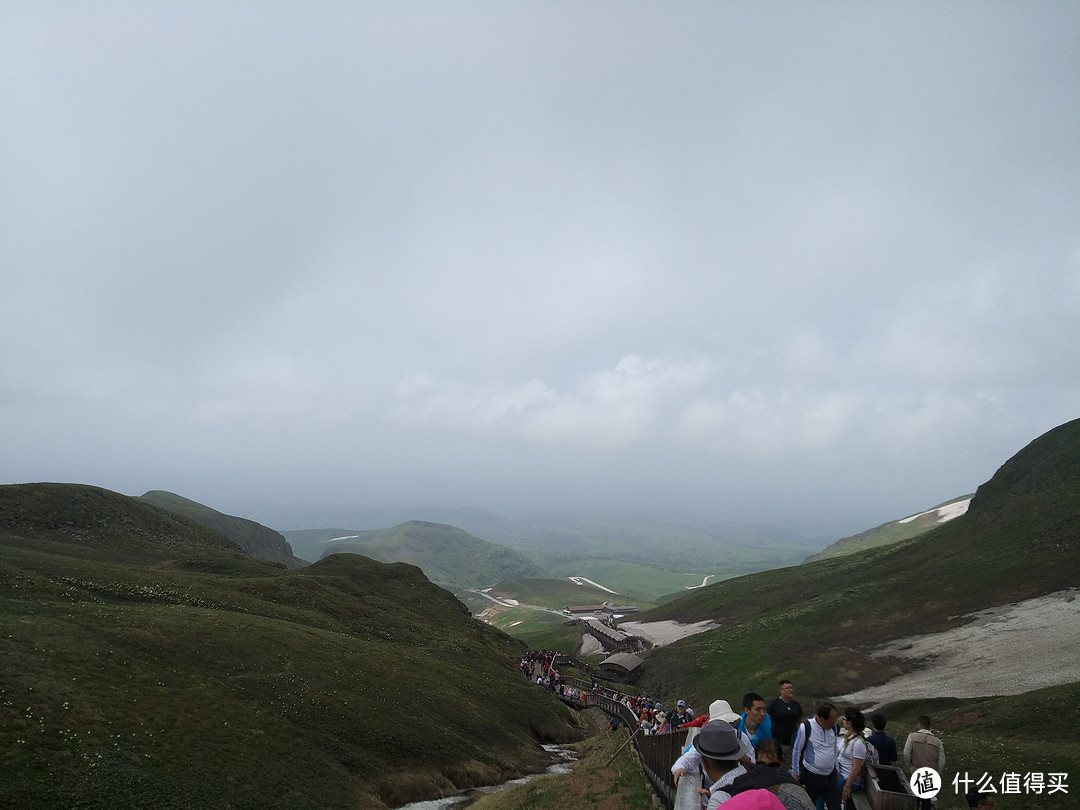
<point x="741" y="756"/>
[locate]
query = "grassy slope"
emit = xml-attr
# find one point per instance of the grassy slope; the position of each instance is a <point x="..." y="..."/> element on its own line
<point x="887" y="533"/>
<point x="725" y="550"/>
<point x="252" y="537"/>
<point x="148" y="663"/>
<point x="653" y="558"/>
<point x="552" y="593"/>
<point x="447" y="555"/>
<point x="605" y="775"/>
<point x="639" y="584"/>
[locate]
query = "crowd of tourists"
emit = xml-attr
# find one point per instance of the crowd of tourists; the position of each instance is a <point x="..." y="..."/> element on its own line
<point x="773" y="755"/>
<point x="770" y="752"/>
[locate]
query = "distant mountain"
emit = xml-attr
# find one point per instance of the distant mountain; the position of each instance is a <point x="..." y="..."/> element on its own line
<point x="563" y="539"/>
<point x="252" y="537"/>
<point x="896" y="530"/>
<point x="149" y="662"/>
<point x="446" y="554"/>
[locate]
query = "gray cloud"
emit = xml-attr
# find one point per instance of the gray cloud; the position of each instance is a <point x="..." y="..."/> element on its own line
<point x="746" y="260"/>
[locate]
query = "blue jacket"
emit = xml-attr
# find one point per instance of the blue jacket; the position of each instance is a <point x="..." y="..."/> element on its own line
<point x="762" y="732"/>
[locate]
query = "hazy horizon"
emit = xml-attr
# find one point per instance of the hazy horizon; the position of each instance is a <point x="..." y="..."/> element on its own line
<point x="780" y="263"/>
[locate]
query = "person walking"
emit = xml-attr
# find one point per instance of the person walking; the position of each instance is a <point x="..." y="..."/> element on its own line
<point x="924" y="750"/>
<point x="814" y="755"/>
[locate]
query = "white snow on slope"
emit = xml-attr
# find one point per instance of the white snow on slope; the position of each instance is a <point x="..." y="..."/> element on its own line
<point x="1004" y="650"/>
<point x="667" y="632"/>
<point x="945" y="513"/>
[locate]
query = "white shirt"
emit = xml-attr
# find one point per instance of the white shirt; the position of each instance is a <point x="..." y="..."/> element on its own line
<point x="818" y="753"/>
<point x="691" y="758"/>
<point x="847" y="751"/>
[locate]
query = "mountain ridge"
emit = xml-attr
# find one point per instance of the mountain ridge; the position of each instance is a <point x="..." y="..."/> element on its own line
<point x="252" y="537"/>
<point x="894" y="531"/>
<point x="447" y="554"/>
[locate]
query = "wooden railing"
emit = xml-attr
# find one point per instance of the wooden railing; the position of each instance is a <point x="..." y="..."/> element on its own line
<point x="656" y="752"/>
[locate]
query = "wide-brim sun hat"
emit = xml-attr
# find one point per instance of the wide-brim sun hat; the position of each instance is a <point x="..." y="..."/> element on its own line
<point x="719" y="740"/>
<point x="721" y="710"/>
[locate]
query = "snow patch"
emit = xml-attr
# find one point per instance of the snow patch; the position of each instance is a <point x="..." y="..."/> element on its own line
<point x="590" y="645"/>
<point x="667" y="632"/>
<point x="945" y="513"/>
<point x="1006" y="650"/>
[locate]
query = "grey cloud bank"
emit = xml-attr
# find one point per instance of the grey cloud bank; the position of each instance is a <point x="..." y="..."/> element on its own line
<point x="740" y="260"/>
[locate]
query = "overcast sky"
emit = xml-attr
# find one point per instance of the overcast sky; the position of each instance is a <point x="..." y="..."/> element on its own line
<point x="747" y="260"/>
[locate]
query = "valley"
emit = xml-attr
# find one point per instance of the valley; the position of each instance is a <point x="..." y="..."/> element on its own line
<point x="148" y="643"/>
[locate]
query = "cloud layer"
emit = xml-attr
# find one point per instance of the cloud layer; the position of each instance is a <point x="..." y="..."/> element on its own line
<point x="707" y="258"/>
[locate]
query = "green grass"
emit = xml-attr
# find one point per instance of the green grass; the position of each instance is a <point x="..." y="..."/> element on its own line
<point x="555" y="594"/>
<point x="250" y="536"/>
<point x="603" y="776"/>
<point x="1002" y="734"/>
<point x="447" y="555"/>
<point x="886" y="534"/>
<point x="176" y="672"/>
<point x="638" y="584"/>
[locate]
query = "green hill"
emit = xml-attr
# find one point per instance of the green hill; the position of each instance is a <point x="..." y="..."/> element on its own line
<point x="252" y="537"/>
<point x="147" y="662"/>
<point x="817" y="623"/>
<point x="564" y="544"/>
<point x="895" y="530"/>
<point x="447" y="555"/>
<point x="1019" y="539"/>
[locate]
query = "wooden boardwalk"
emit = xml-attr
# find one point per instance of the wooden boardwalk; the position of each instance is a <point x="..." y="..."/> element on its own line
<point x="657" y="752"/>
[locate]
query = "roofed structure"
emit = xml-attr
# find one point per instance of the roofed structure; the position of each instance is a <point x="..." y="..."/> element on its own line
<point x="621" y="665"/>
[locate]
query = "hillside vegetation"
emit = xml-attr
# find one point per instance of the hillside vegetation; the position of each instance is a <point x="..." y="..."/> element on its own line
<point x="446" y="554"/>
<point x="643" y="557"/>
<point x="894" y="531"/>
<point x="252" y="537"/>
<point x="569" y="547"/>
<point x="148" y="662"/>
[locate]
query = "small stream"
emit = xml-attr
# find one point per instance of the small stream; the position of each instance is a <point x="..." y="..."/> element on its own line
<point x="566" y="757"/>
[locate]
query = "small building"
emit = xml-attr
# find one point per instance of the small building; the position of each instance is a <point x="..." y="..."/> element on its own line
<point x="583" y="610"/>
<point x="621" y="666"/>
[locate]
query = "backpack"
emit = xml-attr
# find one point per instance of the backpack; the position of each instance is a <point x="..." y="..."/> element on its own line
<point x="872" y="755"/>
<point x="806" y="742"/>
